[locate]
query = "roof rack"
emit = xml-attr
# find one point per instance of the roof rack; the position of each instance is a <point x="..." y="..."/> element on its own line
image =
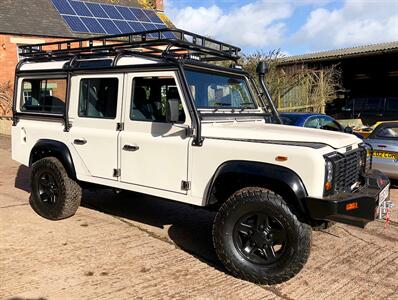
<point x="160" y="43"/>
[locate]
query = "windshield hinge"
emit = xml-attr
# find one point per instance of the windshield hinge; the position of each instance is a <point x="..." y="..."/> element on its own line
<point x="120" y="126"/>
<point x="185" y="185"/>
<point x="117" y="172"/>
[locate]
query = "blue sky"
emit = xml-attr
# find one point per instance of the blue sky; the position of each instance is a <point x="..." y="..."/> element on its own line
<point x="294" y="27"/>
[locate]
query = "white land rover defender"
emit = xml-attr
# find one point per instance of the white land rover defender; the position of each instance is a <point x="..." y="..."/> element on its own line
<point x="153" y="112"/>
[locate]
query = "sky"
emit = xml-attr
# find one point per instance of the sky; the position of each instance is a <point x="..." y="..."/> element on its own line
<point x="291" y="26"/>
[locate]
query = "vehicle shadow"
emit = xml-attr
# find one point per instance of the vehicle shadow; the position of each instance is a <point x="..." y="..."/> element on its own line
<point x="188" y="227"/>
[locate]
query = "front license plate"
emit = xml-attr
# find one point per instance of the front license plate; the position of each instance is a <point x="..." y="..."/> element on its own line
<point x="384" y="194"/>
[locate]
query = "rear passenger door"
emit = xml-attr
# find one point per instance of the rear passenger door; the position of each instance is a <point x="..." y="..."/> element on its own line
<point x="95" y="111"/>
<point x="154" y="151"/>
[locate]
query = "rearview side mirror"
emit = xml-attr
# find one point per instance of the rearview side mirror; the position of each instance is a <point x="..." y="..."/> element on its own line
<point x="172" y="110"/>
<point x="348" y="129"/>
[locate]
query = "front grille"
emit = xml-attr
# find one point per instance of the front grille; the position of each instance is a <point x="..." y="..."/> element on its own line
<point x="347" y="170"/>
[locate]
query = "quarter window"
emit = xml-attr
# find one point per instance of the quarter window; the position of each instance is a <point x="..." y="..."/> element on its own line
<point x="43" y="95"/>
<point x="98" y="98"/>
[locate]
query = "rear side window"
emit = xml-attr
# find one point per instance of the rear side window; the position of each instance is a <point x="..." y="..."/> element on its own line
<point x="98" y="98"/>
<point x="43" y="95"/>
<point x="388" y="132"/>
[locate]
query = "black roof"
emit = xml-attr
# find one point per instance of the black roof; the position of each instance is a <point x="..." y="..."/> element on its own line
<point x="39" y="17"/>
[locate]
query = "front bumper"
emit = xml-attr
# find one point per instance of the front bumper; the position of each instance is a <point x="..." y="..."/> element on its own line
<point x="356" y="208"/>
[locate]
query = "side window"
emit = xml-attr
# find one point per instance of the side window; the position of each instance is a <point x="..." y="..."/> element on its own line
<point x="150" y="96"/>
<point x="388" y="132"/>
<point x="330" y="124"/>
<point x="43" y="95"/>
<point x="312" y="123"/>
<point x="98" y="98"/>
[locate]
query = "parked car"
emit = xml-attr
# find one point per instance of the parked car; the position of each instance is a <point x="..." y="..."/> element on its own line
<point x="312" y="120"/>
<point x="384" y="140"/>
<point x="148" y="112"/>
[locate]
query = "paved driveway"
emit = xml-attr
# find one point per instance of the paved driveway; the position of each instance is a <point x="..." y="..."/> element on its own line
<point x="143" y="247"/>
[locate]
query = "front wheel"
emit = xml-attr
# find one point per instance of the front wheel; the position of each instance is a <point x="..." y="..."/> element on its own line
<point x="258" y="238"/>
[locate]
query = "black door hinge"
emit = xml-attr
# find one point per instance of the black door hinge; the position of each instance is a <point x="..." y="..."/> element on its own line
<point x="185" y="185"/>
<point x="120" y="126"/>
<point x="117" y="172"/>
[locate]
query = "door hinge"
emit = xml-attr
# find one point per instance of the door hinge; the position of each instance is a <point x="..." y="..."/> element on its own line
<point x="185" y="185"/>
<point x="120" y="126"/>
<point x="117" y="172"/>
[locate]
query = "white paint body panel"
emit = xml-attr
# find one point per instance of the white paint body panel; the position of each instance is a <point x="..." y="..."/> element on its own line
<point x="166" y="155"/>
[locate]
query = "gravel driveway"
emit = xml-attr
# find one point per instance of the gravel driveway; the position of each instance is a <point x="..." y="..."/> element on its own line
<point x="136" y="246"/>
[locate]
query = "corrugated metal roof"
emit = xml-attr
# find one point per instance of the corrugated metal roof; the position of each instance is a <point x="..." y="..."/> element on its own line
<point x="341" y="53"/>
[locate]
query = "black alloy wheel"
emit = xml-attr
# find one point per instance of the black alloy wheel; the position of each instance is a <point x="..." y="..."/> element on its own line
<point x="47" y="188"/>
<point x="260" y="238"/>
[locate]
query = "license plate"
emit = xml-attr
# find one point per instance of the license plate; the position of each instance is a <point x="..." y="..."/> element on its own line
<point x="384" y="194"/>
<point x="385" y="154"/>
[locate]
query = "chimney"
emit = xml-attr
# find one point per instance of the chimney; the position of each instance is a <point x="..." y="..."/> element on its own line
<point x="159" y="5"/>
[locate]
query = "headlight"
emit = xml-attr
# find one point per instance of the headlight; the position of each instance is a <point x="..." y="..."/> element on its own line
<point x="329" y="176"/>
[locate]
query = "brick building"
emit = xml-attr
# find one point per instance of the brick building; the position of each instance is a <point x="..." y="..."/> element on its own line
<point x="24" y="22"/>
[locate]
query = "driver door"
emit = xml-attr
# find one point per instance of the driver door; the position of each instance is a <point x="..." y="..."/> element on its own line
<point x="153" y="151"/>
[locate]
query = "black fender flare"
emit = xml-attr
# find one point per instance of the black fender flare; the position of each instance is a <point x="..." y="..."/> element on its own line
<point x="46" y="148"/>
<point x="273" y="175"/>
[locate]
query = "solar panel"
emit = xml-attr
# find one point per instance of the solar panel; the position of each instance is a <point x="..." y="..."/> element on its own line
<point x="96" y="10"/>
<point x="109" y="26"/>
<point x="63" y="7"/>
<point x="126" y="13"/>
<point x="112" y="12"/>
<point x="82" y="16"/>
<point x="75" y="24"/>
<point x="141" y="16"/>
<point x="153" y="17"/>
<point x="80" y="8"/>
<point x="123" y="26"/>
<point x="93" y="25"/>
<point x="136" y="26"/>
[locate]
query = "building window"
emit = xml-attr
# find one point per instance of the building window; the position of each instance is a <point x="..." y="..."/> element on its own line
<point x="20" y="51"/>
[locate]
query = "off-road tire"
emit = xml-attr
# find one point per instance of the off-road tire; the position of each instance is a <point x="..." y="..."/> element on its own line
<point x="69" y="192"/>
<point x="298" y="236"/>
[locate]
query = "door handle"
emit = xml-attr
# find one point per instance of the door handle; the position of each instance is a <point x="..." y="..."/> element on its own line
<point x="130" y="147"/>
<point x="79" y="141"/>
<point x="382" y="146"/>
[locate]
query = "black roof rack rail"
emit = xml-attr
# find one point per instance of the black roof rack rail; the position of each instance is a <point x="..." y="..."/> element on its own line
<point x="160" y="43"/>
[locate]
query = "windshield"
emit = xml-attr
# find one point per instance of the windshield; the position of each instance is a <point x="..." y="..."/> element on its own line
<point x="219" y="91"/>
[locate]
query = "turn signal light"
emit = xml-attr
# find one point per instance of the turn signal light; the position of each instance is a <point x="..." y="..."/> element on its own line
<point x="328" y="185"/>
<point x="281" y="158"/>
<point x="351" y="206"/>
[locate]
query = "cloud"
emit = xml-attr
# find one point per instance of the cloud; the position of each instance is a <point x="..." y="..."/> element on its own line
<point x="356" y="23"/>
<point x="257" y="24"/>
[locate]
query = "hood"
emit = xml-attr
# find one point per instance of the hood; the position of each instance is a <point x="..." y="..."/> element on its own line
<point x="274" y="132"/>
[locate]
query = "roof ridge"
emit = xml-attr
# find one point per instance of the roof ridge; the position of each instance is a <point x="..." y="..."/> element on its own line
<point x="342" y="52"/>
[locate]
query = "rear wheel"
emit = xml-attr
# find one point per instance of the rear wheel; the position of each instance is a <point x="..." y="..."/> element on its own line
<point x="258" y="238"/>
<point x="54" y="195"/>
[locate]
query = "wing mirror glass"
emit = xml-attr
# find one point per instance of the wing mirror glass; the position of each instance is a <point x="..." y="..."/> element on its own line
<point x="348" y="129"/>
